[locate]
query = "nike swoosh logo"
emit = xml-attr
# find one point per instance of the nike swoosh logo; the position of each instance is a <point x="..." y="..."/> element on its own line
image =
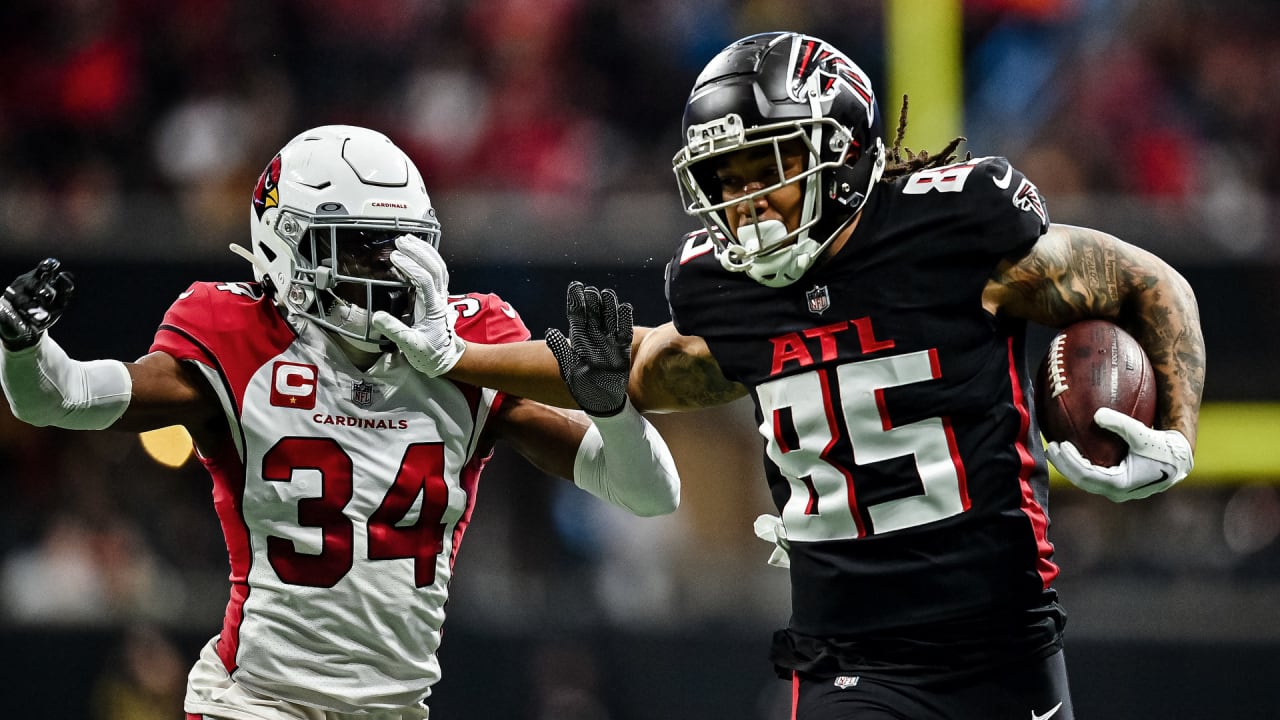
<point x="1164" y="475"/>
<point x="1003" y="183"/>
<point x="1052" y="711"/>
<point x="508" y="311"/>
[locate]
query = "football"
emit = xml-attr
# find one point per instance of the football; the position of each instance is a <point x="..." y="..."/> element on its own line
<point x="1090" y="365"/>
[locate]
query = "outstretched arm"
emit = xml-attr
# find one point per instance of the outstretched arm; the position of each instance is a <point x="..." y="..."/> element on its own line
<point x="587" y="369"/>
<point x="609" y="450"/>
<point x="46" y="387"/>
<point x="670" y="372"/>
<point x="620" y="457"/>
<point x="527" y="369"/>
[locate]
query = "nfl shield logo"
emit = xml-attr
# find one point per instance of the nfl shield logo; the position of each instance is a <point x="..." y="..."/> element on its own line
<point x="818" y="299"/>
<point x="362" y="393"/>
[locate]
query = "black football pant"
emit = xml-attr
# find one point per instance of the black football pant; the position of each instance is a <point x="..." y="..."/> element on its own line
<point x="1033" y="689"/>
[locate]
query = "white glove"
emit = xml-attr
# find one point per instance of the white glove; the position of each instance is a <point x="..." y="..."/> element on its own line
<point x="1157" y="460"/>
<point x="430" y="345"/>
<point x="770" y="529"/>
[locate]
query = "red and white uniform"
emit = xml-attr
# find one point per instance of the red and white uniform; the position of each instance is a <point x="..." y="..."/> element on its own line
<point x="343" y="496"/>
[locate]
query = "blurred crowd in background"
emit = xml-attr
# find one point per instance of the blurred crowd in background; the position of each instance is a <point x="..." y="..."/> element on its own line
<point x="123" y="122"/>
<point x="181" y="102"/>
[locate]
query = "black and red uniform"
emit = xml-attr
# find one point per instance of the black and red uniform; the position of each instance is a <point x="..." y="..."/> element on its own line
<point x="902" y="452"/>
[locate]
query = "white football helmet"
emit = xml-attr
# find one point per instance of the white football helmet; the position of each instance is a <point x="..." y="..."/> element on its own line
<point x="325" y="215"/>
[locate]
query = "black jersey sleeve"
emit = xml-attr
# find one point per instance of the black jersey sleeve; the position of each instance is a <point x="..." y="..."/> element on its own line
<point x="692" y="269"/>
<point x="1004" y="210"/>
<point x="1014" y="232"/>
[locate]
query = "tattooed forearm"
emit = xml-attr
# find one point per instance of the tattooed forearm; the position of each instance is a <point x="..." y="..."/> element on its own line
<point x="1075" y="273"/>
<point x="1164" y="317"/>
<point x="705" y="385"/>
<point x="694" y="381"/>
<point x="1072" y="273"/>
<point x="674" y="372"/>
<point x="1100" y="256"/>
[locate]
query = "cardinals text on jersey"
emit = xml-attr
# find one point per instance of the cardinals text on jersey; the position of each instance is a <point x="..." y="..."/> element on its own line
<point x="343" y="496"/>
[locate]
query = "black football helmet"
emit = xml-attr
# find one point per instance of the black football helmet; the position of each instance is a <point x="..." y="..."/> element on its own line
<point x="766" y="90"/>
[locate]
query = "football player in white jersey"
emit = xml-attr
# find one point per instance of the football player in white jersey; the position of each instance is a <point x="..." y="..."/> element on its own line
<point x="344" y="467"/>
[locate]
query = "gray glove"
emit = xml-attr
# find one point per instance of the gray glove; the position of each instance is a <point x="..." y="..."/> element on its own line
<point x="595" y="360"/>
<point x="34" y="302"/>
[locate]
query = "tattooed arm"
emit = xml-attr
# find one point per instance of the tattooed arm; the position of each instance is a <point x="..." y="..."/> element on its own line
<point x="1074" y="273"/>
<point x="672" y="372"/>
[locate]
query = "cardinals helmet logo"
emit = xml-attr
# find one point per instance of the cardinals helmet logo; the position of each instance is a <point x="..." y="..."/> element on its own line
<point x="267" y="193"/>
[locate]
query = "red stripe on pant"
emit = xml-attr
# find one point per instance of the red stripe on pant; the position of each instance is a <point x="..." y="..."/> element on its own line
<point x="795" y="693"/>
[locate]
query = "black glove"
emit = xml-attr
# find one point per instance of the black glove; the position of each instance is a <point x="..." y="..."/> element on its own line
<point x="34" y="302"/>
<point x="595" y="360"/>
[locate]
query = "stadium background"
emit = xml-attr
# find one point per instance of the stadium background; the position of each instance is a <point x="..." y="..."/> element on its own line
<point x="131" y="133"/>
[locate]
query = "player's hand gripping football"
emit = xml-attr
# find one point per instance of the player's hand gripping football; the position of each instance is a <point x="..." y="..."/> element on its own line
<point x="35" y="301"/>
<point x="430" y="345"/>
<point x="1157" y="460"/>
<point x="595" y="360"/>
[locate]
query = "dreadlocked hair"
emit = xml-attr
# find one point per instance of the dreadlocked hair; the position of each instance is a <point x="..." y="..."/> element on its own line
<point x="897" y="166"/>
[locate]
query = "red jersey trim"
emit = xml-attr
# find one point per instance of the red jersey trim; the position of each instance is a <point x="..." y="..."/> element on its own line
<point x="1046" y="568"/>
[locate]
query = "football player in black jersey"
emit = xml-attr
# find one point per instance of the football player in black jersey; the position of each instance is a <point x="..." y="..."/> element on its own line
<point x="875" y="309"/>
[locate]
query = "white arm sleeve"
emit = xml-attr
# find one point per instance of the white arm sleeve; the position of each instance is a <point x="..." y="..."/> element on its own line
<point x="623" y="459"/>
<point x="46" y="387"/>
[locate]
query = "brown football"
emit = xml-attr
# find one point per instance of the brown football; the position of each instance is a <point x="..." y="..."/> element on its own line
<point x="1089" y="365"/>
